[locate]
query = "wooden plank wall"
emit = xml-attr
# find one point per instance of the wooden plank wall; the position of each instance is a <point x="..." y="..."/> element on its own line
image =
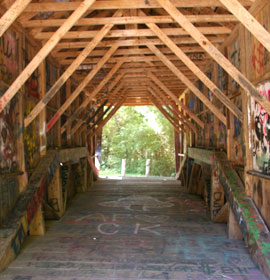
<point x="21" y="148"/>
<point x="246" y="143"/>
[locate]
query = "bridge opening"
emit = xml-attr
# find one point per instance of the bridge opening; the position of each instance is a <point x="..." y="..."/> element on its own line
<point x="138" y="141"/>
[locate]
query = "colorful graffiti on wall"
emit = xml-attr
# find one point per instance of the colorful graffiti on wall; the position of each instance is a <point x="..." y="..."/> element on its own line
<point x="8" y="57"/>
<point x="210" y="93"/>
<point x="31" y="139"/>
<point x="222" y="78"/>
<point x="238" y="141"/>
<point x="261" y="132"/>
<point x="32" y="83"/>
<point x="260" y="57"/>
<point x="8" y="145"/>
<point x="235" y="58"/>
<point x="222" y="131"/>
<point x="8" y="117"/>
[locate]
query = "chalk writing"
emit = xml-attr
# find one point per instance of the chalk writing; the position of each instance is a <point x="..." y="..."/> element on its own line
<point x="142" y="201"/>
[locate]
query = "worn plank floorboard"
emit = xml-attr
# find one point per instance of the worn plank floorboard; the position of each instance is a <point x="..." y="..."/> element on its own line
<point x="134" y="229"/>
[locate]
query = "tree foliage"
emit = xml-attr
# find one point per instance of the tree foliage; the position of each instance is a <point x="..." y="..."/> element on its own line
<point x="137" y="134"/>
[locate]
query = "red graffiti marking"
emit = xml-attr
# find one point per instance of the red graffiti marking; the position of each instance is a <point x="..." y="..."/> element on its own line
<point x="34" y="204"/>
<point x="258" y="58"/>
<point x="52" y="122"/>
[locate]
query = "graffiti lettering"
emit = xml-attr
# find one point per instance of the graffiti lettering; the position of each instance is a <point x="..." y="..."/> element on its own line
<point x="261" y="130"/>
<point x="258" y="58"/>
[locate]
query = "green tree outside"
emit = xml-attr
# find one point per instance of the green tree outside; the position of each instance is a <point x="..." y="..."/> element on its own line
<point x="137" y="134"/>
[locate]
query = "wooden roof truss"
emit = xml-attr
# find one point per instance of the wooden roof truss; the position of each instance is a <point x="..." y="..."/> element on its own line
<point x="133" y="52"/>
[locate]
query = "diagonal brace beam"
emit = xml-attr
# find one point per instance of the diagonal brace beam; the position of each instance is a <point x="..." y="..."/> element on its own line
<point x="12" y="14"/>
<point x="43" y="52"/>
<point x="215" y="54"/>
<point x="236" y="8"/>
<point x="69" y="71"/>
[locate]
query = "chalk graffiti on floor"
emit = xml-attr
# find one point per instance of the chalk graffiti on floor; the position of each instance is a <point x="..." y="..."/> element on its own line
<point x="111" y="225"/>
<point x="139" y="201"/>
<point x="152" y="219"/>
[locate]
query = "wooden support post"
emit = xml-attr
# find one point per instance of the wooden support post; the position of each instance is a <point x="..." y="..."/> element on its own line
<point x="68" y="93"/>
<point x="44" y="51"/>
<point x="54" y="208"/>
<point x="23" y="179"/>
<point x="37" y="226"/>
<point x="234" y="231"/>
<point x="123" y="167"/>
<point x="84" y="83"/>
<point x="11" y="14"/>
<point x="42" y="116"/>
<point x="147" y="168"/>
<point x="215" y="54"/>
<point x="217" y="196"/>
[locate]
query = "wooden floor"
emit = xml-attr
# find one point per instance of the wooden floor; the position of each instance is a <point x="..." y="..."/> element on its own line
<point x="134" y="229"/>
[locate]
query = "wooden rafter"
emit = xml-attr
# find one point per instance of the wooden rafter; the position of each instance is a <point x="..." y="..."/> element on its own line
<point x="44" y="51"/>
<point x="110" y="115"/>
<point x="124" y="4"/>
<point x="131" y="20"/>
<point x="134" y="33"/>
<point x="170" y="113"/>
<point x="189" y="84"/>
<point x="215" y="54"/>
<point x="12" y="14"/>
<point x="235" y="7"/>
<point x="164" y="113"/>
<point x="86" y="80"/>
<point x="196" y="70"/>
<point x="175" y="99"/>
<point x="180" y="115"/>
<point x="69" y="71"/>
<point x="97" y="90"/>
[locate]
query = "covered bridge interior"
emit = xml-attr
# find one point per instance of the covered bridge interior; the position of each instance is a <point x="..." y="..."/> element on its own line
<point x="66" y="67"/>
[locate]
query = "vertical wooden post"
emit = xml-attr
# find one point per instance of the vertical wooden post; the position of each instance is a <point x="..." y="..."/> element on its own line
<point x="123" y="168"/>
<point x="58" y="105"/>
<point x="37" y="226"/>
<point x="68" y="93"/>
<point x="147" y="168"/>
<point x="76" y="135"/>
<point x="217" y="196"/>
<point x="234" y="231"/>
<point x="20" y="121"/>
<point x="42" y="116"/>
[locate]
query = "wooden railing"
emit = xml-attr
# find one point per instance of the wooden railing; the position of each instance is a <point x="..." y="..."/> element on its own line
<point x="251" y="223"/>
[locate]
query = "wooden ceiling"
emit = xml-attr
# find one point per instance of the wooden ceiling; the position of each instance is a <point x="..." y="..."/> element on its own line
<point x="132" y="36"/>
<point x="139" y="52"/>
